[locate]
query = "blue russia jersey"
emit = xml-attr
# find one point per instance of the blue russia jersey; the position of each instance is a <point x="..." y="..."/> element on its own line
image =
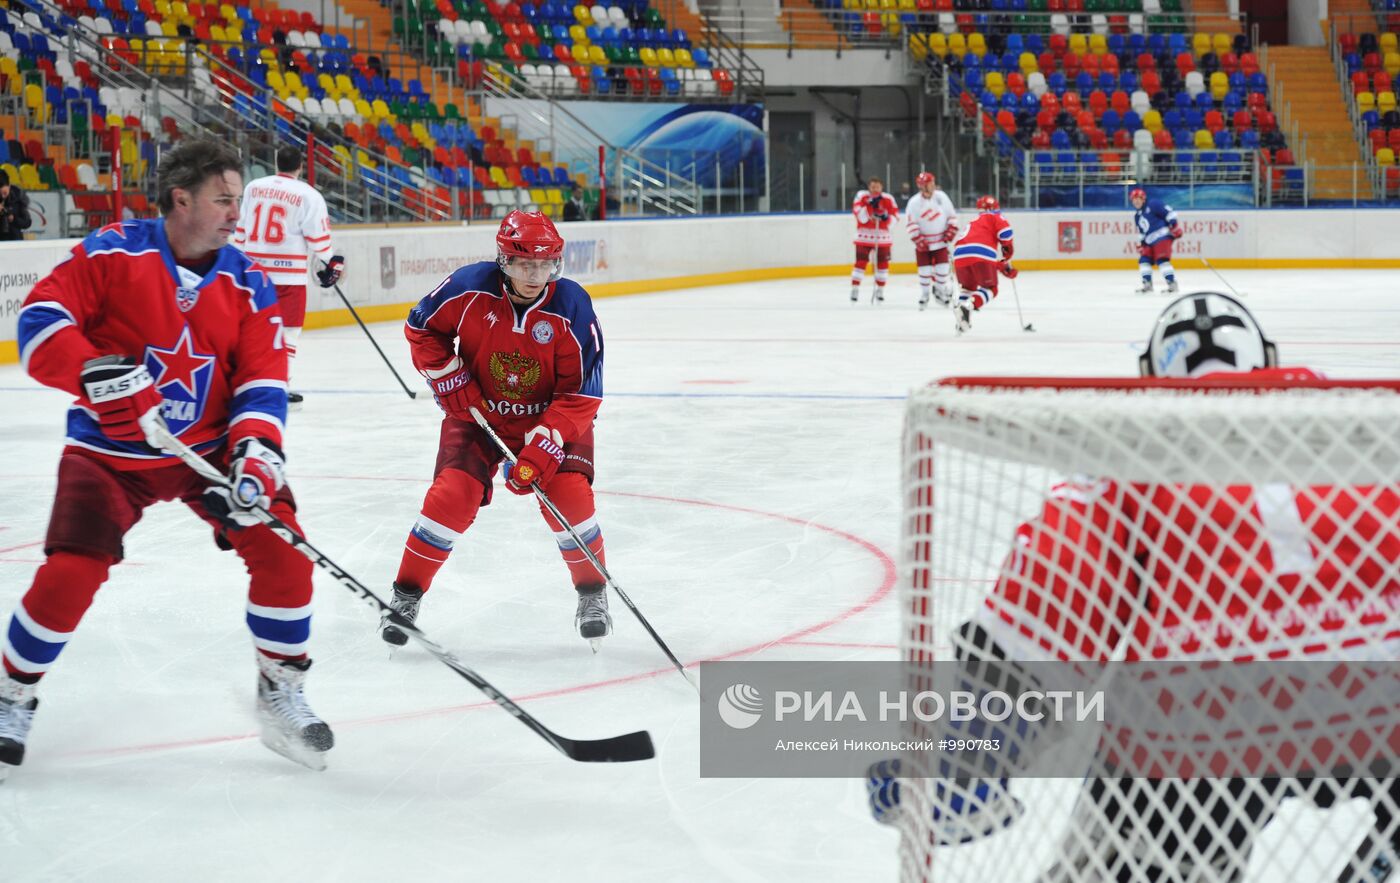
<point x="1155" y="221"/>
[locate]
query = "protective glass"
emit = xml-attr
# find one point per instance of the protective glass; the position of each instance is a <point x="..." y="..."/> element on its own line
<point x="531" y="272"/>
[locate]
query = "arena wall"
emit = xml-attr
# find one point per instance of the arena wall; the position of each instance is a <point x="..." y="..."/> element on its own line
<point x="390" y="268"/>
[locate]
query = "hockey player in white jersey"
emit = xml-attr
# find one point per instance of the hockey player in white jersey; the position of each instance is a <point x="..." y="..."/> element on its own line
<point x="932" y="223"/>
<point x="283" y="218"/>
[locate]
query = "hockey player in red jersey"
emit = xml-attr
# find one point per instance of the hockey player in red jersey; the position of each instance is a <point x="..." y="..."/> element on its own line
<point x="521" y="346"/>
<point x="876" y="212"/>
<point x="161" y="319"/>
<point x="1114" y="571"/>
<point x="982" y="248"/>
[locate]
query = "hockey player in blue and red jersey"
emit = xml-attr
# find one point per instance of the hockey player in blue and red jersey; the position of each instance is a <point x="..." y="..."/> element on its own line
<point x="1157" y="224"/>
<point x="522" y="347"/>
<point x="982" y="249"/>
<point x="161" y="319"/>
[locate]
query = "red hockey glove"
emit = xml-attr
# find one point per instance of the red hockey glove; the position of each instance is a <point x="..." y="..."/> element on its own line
<point x="456" y="393"/>
<point x="331" y="271"/>
<point x="541" y="457"/>
<point x="1177" y="232"/>
<point x="256" y="472"/>
<point x="1007" y="270"/>
<point x="950" y="233"/>
<point x="121" y="392"/>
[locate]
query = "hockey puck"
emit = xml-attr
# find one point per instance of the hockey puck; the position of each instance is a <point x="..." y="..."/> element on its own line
<point x="1028" y="327"/>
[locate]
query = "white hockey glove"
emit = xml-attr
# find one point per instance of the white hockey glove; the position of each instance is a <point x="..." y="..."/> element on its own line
<point x="256" y="474"/>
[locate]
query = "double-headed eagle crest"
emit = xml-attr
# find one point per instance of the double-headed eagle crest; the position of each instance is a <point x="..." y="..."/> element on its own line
<point x="516" y="374"/>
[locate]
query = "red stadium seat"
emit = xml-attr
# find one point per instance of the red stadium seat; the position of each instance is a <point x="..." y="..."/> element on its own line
<point x="1185" y="63"/>
<point x="1120" y="102"/>
<point x="1072" y="103"/>
<point x="1123" y="138"/>
<point x="1360" y="82"/>
<point x="1215" y="121"/>
<point x="1162" y="139"/>
<point x="1006" y="121"/>
<point x="1098" y="103"/>
<point x="1230" y="62"/>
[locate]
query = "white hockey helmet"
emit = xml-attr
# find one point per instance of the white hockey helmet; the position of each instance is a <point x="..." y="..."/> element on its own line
<point x="1205" y="332"/>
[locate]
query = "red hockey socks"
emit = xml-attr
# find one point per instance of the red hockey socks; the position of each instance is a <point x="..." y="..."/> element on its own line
<point x="573" y="496"/>
<point x="49" y="612"/>
<point x="448" y="510"/>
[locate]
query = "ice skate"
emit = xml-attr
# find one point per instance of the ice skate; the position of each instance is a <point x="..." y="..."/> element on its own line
<point x="943" y="294"/>
<point x="878" y="297"/>
<point x="855" y="293"/>
<point x="1144" y="288"/>
<point x="289" y="726"/>
<point x="592" y="619"/>
<point x="17" y="704"/>
<point x="1172" y="287"/>
<point x="923" y="301"/>
<point x="962" y="315"/>
<point x="405" y="603"/>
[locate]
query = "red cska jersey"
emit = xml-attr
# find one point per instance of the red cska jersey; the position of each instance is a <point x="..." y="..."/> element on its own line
<point x="213" y="343"/>
<point x="541" y="364"/>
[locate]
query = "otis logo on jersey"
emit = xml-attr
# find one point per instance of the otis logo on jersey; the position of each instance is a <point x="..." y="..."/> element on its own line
<point x="183" y="378"/>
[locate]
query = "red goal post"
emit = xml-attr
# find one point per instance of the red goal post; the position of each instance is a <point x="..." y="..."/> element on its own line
<point x="1112" y="519"/>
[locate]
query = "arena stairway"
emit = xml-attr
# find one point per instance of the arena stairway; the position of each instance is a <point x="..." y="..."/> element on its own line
<point x="1315" y="100"/>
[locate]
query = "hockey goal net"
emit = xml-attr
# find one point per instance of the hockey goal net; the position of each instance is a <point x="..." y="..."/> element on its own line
<point x="1056" y="520"/>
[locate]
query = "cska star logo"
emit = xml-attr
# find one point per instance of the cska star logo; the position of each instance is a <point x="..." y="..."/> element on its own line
<point x="183" y="378"/>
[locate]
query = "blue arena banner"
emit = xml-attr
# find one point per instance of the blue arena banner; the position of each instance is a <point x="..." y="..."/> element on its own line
<point x="1179" y="196"/>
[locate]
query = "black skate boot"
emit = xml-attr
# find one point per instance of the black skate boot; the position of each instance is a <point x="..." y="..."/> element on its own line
<point x="405" y="603"/>
<point x="289" y="726"/>
<point x="17" y="704"/>
<point x="962" y="315"/>
<point x="592" y="619"/>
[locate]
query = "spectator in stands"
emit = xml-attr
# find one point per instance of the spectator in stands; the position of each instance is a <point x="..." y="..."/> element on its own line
<point x="574" y="209"/>
<point x="14" y="210"/>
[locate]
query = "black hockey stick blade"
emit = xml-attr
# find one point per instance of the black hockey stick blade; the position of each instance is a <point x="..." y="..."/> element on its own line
<point x="617" y="749"/>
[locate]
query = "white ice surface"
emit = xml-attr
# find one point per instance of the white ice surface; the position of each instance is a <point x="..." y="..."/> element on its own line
<point x="747" y="470"/>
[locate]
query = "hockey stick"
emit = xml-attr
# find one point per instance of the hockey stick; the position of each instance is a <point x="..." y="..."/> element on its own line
<point x="1206" y="261"/>
<point x="373" y="342"/>
<point x="1016" y="295"/>
<point x="618" y="749"/>
<point x="583" y="547"/>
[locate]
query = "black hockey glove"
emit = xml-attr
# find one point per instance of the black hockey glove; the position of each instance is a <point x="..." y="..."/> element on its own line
<point x="331" y="271"/>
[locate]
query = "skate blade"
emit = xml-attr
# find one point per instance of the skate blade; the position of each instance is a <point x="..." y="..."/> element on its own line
<point x="292" y="748"/>
<point x="596" y="644"/>
<point x="5" y="769"/>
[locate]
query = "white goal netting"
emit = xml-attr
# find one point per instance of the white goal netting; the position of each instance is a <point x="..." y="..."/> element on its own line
<point x="1225" y="525"/>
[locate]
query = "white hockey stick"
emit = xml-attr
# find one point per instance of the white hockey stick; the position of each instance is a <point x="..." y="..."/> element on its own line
<point x="583" y="547"/>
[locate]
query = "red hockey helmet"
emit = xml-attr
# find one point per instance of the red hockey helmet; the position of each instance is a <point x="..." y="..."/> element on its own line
<point x="924" y="178"/>
<point x="988" y="204"/>
<point x="1136" y="192"/>
<point x="525" y="238"/>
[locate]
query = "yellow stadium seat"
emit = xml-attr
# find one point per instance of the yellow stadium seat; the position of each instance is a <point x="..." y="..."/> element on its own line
<point x="1389" y="42"/>
<point x="163" y="9"/>
<point x="648" y="56"/>
<point x="1152" y="121"/>
<point x="1365" y="101"/>
<point x="957" y="45"/>
<point x="1385" y="101"/>
<point x="891" y="23"/>
<point x="1221" y="43"/>
<point x="1200" y="44"/>
<point x="918" y="46"/>
<point x="498" y="175"/>
<point x="578" y="34"/>
<point x="170" y="27"/>
<point x="1079" y="44"/>
<point x="274" y="79"/>
<point x="363" y="109"/>
<point x="976" y="44"/>
<point x="548" y="210"/>
<point x="583" y="15"/>
<point x="537" y="197"/>
<point x="216" y="33"/>
<point x="995" y="83"/>
<point x="227" y="10"/>
<point x="1098" y="44"/>
<point x="580" y="53"/>
<point x="1219" y="85"/>
<point x="665" y="57"/>
<point x="35" y="103"/>
<point x="938" y="43"/>
<point x="29" y="178"/>
<point x="908" y="6"/>
<point x="1392" y="63"/>
<point x="684" y="59"/>
<point x="380" y="108"/>
<point x="1385" y="156"/>
<point x="1204" y="140"/>
<point x="10" y="171"/>
<point x="346" y="87"/>
<point x="1028" y="64"/>
<point x="852" y="4"/>
<point x="556" y="196"/>
<point x="596" y="55"/>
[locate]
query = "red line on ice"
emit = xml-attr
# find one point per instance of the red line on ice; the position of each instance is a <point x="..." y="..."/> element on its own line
<point x="886" y="584"/>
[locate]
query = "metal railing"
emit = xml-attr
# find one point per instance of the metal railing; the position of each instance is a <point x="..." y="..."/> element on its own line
<point x="641" y="185"/>
<point x="1382" y="182"/>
